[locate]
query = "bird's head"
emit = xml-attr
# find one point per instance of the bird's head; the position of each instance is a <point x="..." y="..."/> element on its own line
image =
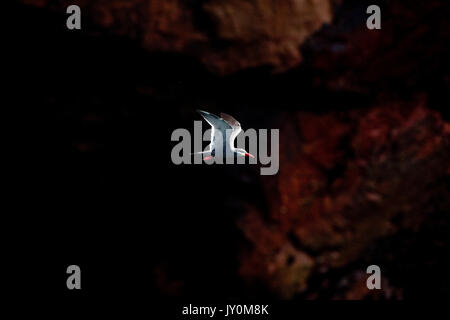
<point x="243" y="153"/>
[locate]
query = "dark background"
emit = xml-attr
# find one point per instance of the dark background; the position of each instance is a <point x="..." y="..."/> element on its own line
<point x="91" y="181"/>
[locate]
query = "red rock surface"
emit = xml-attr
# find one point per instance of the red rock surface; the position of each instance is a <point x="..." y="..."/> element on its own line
<point x="363" y="174"/>
<point x="347" y="180"/>
<point x="226" y="36"/>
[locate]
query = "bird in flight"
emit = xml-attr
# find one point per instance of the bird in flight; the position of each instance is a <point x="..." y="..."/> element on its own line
<point x="224" y="129"/>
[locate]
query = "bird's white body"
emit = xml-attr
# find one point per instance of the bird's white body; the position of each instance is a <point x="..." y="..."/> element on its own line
<point x="223" y="134"/>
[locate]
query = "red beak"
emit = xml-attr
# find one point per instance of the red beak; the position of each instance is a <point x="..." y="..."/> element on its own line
<point x="249" y="155"/>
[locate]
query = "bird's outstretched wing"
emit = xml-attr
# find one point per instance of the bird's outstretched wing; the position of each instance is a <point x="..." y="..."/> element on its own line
<point x="215" y="122"/>
<point x="235" y="125"/>
<point x="230" y="120"/>
<point x="222" y="125"/>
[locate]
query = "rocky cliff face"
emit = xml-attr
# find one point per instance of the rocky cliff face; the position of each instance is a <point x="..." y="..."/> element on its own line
<point x="226" y="36"/>
<point x="348" y="181"/>
<point x="364" y="132"/>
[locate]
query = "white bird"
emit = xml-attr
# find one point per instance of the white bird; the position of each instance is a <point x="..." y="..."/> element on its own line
<point x="226" y="129"/>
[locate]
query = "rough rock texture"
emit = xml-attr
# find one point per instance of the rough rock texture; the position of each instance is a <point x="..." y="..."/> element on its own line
<point x="364" y="165"/>
<point x="407" y="52"/>
<point x="345" y="183"/>
<point x="226" y="36"/>
<point x="263" y="32"/>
